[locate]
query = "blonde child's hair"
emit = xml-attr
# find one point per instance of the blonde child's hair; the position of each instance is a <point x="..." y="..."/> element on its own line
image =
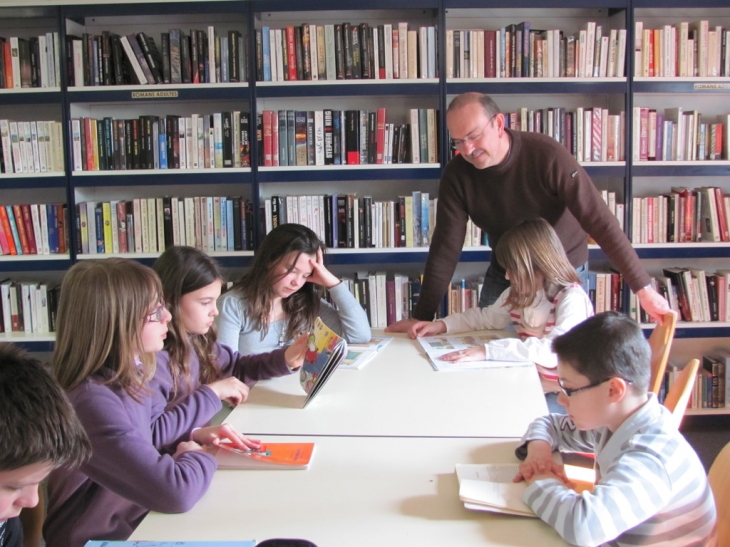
<point x="530" y="248"/>
<point x="103" y="307"/>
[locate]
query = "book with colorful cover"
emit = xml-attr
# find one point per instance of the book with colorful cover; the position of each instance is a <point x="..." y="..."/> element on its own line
<point x="359" y="355"/>
<point x="325" y="351"/>
<point x="436" y="346"/>
<point x="269" y="456"/>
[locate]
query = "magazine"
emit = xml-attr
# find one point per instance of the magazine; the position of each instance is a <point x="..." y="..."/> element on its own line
<point x="325" y="352"/>
<point x="436" y="346"/>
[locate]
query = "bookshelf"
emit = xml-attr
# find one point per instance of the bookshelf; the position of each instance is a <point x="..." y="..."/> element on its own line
<point x="626" y="177"/>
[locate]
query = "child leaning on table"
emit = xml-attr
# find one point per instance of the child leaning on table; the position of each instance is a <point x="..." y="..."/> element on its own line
<point x="545" y="299"/>
<point x="651" y="488"/>
<point x="194" y="364"/>
<point x="39" y="432"/>
<point x="111" y="321"/>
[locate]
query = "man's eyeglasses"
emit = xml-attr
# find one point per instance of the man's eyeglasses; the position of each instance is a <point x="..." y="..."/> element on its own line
<point x="460" y="143"/>
<point x="569" y="392"/>
<point x="157" y="315"/>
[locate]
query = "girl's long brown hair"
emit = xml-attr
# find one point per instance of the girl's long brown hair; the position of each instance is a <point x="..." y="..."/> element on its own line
<point x="102" y="310"/>
<point x="256" y="284"/>
<point x="526" y="249"/>
<point x="183" y="270"/>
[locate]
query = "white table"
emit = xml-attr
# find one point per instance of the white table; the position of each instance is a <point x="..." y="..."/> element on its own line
<point x="357" y="492"/>
<point x="398" y="394"/>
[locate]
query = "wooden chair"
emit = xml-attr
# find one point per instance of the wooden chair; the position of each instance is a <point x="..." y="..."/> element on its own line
<point x="660" y="342"/>
<point x="678" y="396"/>
<point x="719" y="477"/>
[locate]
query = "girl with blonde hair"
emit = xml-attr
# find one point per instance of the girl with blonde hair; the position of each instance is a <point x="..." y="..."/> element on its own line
<point x="545" y="299"/>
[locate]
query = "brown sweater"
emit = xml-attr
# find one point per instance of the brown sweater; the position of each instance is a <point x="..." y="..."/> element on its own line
<point x="539" y="178"/>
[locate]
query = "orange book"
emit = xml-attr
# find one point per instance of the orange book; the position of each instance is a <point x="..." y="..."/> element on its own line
<point x="270" y="456"/>
<point x="6" y="233"/>
<point x="8" y="66"/>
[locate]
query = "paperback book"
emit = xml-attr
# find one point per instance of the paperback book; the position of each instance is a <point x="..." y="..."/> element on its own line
<point x="325" y="352"/>
<point x="437" y="346"/>
<point x="359" y="355"/>
<point x="487" y="487"/>
<point x="269" y="456"/>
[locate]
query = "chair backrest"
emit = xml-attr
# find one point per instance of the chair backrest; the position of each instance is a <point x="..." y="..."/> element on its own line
<point x="681" y="390"/>
<point x="719" y="477"/>
<point x="660" y="342"/>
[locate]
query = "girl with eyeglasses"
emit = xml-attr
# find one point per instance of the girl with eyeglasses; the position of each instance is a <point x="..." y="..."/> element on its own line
<point x="545" y="299"/>
<point x="194" y="365"/>
<point x="111" y="322"/>
<point x="280" y="296"/>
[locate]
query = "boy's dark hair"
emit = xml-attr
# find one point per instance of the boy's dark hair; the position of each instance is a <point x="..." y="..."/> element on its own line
<point x="37" y="422"/>
<point x="607" y="345"/>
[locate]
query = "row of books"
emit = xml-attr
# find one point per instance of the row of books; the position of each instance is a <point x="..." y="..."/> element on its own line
<point x="519" y="51"/>
<point x="31" y="147"/>
<point x="345" y="51"/>
<point x="685" y="50"/>
<point x="219" y="140"/>
<point x="150" y="225"/>
<point x="589" y="134"/>
<point x="681" y="216"/>
<point x="198" y="57"/>
<point x="346" y="137"/>
<point x="678" y="135"/>
<point x="697" y="295"/>
<point x="33" y="229"/>
<point x="30" y="62"/>
<point x="28" y="306"/>
<point x="605" y="290"/>
<point x="710" y="387"/>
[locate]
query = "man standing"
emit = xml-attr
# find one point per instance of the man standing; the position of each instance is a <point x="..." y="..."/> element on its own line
<point x="502" y="177"/>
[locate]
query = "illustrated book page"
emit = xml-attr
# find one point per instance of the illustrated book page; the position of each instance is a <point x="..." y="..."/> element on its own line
<point x="325" y="352"/>
<point x="436" y="346"/>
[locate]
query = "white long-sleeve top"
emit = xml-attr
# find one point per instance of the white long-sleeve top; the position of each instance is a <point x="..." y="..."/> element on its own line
<point x="537" y="325"/>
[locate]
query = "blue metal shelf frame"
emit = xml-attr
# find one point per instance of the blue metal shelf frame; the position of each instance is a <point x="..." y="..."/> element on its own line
<point x="347" y="90"/>
<point x="185" y="92"/>
<point x="11" y="182"/>
<point x="174" y="177"/>
<point x="333" y="174"/>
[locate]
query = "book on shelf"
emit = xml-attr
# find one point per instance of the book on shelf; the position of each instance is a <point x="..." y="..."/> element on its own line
<point x="199" y="56"/>
<point x="518" y="51"/>
<point x="358" y="355"/>
<point x="437" y="346"/>
<point x="32" y="62"/>
<point x="343" y="52"/>
<point x="152" y="224"/>
<point x="269" y="456"/>
<point x="686" y="49"/>
<point x="218" y="140"/>
<point x="325" y="352"/>
<point x="28" y="307"/>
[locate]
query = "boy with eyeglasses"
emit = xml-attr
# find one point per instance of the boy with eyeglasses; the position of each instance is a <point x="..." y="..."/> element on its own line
<point x="651" y="488"/>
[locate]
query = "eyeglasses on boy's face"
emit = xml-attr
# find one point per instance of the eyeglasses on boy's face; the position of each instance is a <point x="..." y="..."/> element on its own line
<point x="460" y="143"/>
<point x="569" y="392"/>
<point x="157" y="315"/>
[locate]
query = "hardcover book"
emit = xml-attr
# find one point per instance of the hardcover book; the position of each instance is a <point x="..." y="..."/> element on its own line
<point x="325" y="352"/>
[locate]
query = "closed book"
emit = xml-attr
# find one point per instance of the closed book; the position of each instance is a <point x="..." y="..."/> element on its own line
<point x="269" y="456"/>
<point x="352" y="137"/>
<point x="151" y="55"/>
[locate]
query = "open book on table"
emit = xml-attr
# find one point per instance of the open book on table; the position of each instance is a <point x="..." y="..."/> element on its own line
<point x="436" y="346"/>
<point x="359" y="355"/>
<point x="325" y="352"/>
<point x="270" y="456"/>
<point x="489" y="487"/>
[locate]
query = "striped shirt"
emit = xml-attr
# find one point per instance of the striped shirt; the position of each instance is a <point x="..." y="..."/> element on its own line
<point x="651" y="487"/>
<point x="537" y="325"/>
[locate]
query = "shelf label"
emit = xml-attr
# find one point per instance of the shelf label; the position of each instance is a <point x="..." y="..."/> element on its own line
<point x="712" y="86"/>
<point x="154" y="94"/>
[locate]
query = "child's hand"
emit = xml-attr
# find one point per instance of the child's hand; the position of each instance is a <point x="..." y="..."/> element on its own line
<point x="187" y="446"/>
<point x="320" y="274"/>
<point x="403" y="325"/>
<point x="477" y="353"/>
<point x="539" y="463"/>
<point x="214" y="434"/>
<point x="295" y="353"/>
<point x="231" y="390"/>
<point x="426" y="328"/>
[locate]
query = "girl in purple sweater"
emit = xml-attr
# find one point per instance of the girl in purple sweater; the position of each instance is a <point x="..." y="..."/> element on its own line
<point x="195" y="368"/>
<point x="111" y="321"/>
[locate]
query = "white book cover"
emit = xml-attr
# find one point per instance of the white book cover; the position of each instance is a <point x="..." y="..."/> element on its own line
<point x="15" y="145"/>
<point x="189" y="216"/>
<point x="279" y="55"/>
<point x="449" y="54"/>
<point x="138" y="226"/>
<point x="27" y="146"/>
<point x="211" y="54"/>
<point x="43" y="218"/>
<point x="7" y="145"/>
<point x="412" y="54"/>
<point x="621" y="54"/>
<point x="388" y="35"/>
<point x="56" y="58"/>
<point x="313" y="51"/>
<point x="15" y="61"/>
<point x="489" y="487"/>
<point x="431" y="36"/>
<point x="179" y="223"/>
<point x="329" y="39"/>
<point x="42" y="295"/>
<point x="76" y="144"/>
<point x="114" y="222"/>
<point x="46" y="161"/>
<point x="319" y="137"/>
<point x="43" y="55"/>
<point x="35" y="148"/>
<point x="403" y="49"/>
<point x="415" y="138"/>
